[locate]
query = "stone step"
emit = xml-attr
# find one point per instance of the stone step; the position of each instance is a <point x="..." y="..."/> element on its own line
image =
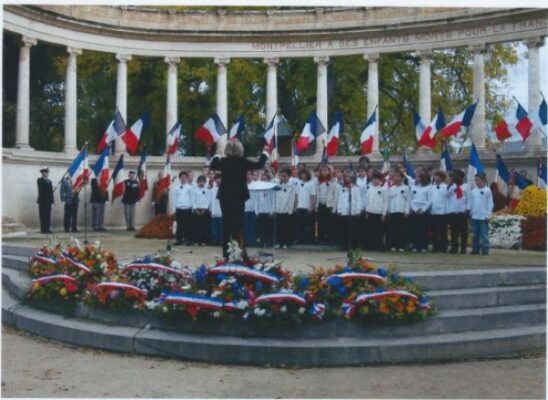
<point x="488" y="296"/>
<point x="275" y="352"/>
<point x="449" y="321"/>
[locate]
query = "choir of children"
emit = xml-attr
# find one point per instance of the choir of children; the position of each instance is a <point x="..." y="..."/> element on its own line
<point x="370" y="210"/>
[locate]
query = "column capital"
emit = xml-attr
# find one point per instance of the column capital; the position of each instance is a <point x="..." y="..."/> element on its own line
<point x="221" y="61"/>
<point x="123" y="58"/>
<point x="29" y="41"/>
<point x="271" y="62"/>
<point x="371" y="57"/>
<point x="425" y="54"/>
<point x="321" y="60"/>
<point x="172" y="60"/>
<point x="535" y="42"/>
<point x="74" y="51"/>
<point x="478" y="48"/>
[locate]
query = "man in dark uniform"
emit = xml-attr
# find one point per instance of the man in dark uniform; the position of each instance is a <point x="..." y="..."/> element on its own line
<point x="45" y="200"/>
<point x="97" y="200"/>
<point x="130" y="197"/>
<point x="71" y="199"/>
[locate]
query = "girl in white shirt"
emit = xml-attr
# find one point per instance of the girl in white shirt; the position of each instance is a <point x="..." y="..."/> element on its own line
<point x="200" y="211"/>
<point x="377" y="203"/>
<point x="326" y="191"/>
<point x="348" y="212"/>
<point x="420" y="205"/>
<point x="305" y="193"/>
<point x="399" y="205"/>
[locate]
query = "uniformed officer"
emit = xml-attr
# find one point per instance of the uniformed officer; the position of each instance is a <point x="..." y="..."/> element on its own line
<point x="71" y="199"/>
<point x="130" y="197"/>
<point x="45" y="200"/>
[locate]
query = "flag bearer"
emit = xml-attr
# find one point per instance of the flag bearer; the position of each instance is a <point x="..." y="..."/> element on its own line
<point x="480" y="204"/>
<point x="399" y="204"/>
<point x="201" y="199"/>
<point x="377" y="204"/>
<point x="285" y="204"/>
<point x="98" y="200"/>
<point x="438" y="213"/>
<point x="71" y="198"/>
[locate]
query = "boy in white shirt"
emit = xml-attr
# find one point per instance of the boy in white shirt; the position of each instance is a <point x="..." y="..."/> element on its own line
<point x="326" y="195"/>
<point x="438" y="213"/>
<point x="348" y="212"/>
<point x="305" y="194"/>
<point x="200" y="211"/>
<point x="182" y="201"/>
<point x="265" y="209"/>
<point x="377" y="203"/>
<point x="216" y="213"/>
<point x="399" y="204"/>
<point x="420" y="205"/>
<point x="457" y="202"/>
<point x="480" y="204"/>
<point x="285" y="204"/>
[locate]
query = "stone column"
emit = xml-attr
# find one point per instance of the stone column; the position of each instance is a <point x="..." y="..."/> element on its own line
<point x="425" y="98"/>
<point x="23" y="95"/>
<point x="222" y="100"/>
<point x="534" y="87"/>
<point x="121" y="95"/>
<point x="271" y="88"/>
<point x="477" y="132"/>
<point x="71" y="93"/>
<point x="171" y="107"/>
<point x="321" y="100"/>
<point x="373" y="94"/>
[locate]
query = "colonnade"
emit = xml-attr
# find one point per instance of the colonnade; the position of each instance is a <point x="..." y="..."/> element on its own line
<point x="478" y="130"/>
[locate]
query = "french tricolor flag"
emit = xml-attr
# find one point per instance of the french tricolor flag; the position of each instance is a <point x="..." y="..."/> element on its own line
<point x="118" y="179"/>
<point x="368" y="134"/>
<point x="79" y="170"/>
<point x="142" y="175"/>
<point x="427" y="137"/>
<point x="116" y="128"/>
<point x="445" y="159"/>
<point x="523" y="123"/>
<point x="475" y="165"/>
<point x="210" y="131"/>
<point x="502" y="131"/>
<point x="274" y="153"/>
<point x="271" y="130"/>
<point x="295" y="156"/>
<point x="541" y="119"/>
<point x="312" y="129"/>
<point x="463" y="119"/>
<point x="101" y="171"/>
<point x="333" y="137"/>
<point x="237" y="129"/>
<point x="165" y="182"/>
<point x="173" y="139"/>
<point x="132" y="136"/>
<point x="542" y="172"/>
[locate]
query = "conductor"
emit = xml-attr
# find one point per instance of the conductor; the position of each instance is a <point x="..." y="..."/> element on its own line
<point x="233" y="191"/>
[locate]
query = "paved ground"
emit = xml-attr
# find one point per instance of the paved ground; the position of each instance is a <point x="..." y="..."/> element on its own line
<point x="36" y="367"/>
<point x="127" y="247"/>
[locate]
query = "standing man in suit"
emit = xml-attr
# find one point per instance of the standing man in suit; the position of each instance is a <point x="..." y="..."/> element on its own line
<point x="233" y="191"/>
<point x="130" y="197"/>
<point x="71" y="199"/>
<point x="45" y="200"/>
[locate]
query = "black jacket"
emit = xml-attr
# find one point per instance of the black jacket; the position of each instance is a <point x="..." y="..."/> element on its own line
<point x="96" y="195"/>
<point x="131" y="191"/>
<point x="234" y="170"/>
<point x="45" y="191"/>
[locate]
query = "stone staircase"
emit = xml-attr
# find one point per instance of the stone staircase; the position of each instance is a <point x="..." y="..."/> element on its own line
<point x="482" y="313"/>
<point x="10" y="228"/>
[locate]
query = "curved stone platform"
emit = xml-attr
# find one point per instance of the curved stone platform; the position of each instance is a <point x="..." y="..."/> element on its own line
<point x="481" y="313"/>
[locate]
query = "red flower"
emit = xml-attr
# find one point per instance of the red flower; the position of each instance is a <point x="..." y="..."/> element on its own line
<point x="192" y="311"/>
<point x="71" y="287"/>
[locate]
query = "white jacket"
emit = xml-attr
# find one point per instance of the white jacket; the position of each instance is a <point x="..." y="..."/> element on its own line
<point x="439" y="199"/>
<point x="349" y="198"/>
<point x="328" y="190"/>
<point x="399" y="199"/>
<point x="377" y="199"/>
<point x="285" y="198"/>
<point x="480" y="203"/>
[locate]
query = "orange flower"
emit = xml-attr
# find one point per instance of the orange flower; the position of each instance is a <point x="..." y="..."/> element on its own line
<point x="383" y="308"/>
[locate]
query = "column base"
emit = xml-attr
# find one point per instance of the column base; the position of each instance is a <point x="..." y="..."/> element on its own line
<point x="23" y="147"/>
<point x="70" y="151"/>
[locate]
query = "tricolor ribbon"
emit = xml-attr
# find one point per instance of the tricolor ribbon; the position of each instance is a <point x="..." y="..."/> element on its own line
<point x="74" y="263"/>
<point x="50" y="278"/>
<point x="362" y="298"/>
<point x="208" y="303"/>
<point x="317" y="310"/>
<point x="156" y="267"/>
<point x="240" y="270"/>
<point x="43" y="258"/>
<point x="119" y="285"/>
<point x="281" y="297"/>
<point x="356" y="275"/>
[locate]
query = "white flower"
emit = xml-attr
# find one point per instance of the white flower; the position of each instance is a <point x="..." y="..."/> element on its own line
<point x="202" y="292"/>
<point x="301" y="310"/>
<point x="283" y="309"/>
<point x="216" y="293"/>
<point x="186" y="287"/>
<point x="164" y="309"/>
<point x="216" y="314"/>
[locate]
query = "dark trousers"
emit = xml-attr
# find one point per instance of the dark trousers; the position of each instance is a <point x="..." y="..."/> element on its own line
<point x="348" y="227"/>
<point x="264" y="229"/>
<point x="362" y="230"/>
<point x="160" y="207"/>
<point x="44" y="212"/>
<point x="201" y="227"/>
<point x="70" y="219"/>
<point x="302" y="226"/>
<point x="325" y="220"/>
<point x="184" y="221"/>
<point x="312" y="226"/>
<point x="284" y="236"/>
<point x="375" y="232"/>
<point x="419" y="231"/>
<point x="458" y="222"/>
<point x="397" y="231"/>
<point x="233" y="223"/>
<point x="439" y="233"/>
<point x="216" y="230"/>
<point x="249" y="228"/>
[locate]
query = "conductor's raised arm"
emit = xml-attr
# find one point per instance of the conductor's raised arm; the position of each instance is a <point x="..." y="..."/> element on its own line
<point x="251" y="165"/>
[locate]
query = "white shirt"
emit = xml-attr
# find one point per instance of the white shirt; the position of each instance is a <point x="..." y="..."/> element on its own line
<point x="304" y="192"/>
<point x="200" y="198"/>
<point x="377" y="199"/>
<point x="349" y="198"/>
<point x="421" y="198"/>
<point x="399" y="199"/>
<point x="480" y="203"/>
<point x="455" y="205"/>
<point x="326" y="193"/>
<point x="285" y="198"/>
<point x="214" y="204"/>
<point x="363" y="185"/>
<point x="439" y="199"/>
<point x="183" y="196"/>
<point x="265" y="202"/>
<point x="251" y="203"/>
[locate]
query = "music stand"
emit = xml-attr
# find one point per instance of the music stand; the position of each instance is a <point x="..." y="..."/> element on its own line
<point x="261" y="186"/>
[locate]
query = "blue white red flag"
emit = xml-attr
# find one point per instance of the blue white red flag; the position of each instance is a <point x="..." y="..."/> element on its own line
<point x="409" y="170"/>
<point x="332" y="146"/>
<point x="541" y="174"/>
<point x="270" y="130"/>
<point x="132" y="136"/>
<point x="475" y="165"/>
<point x="165" y="181"/>
<point x="118" y="179"/>
<point x="142" y="175"/>
<point x="101" y="170"/>
<point x="173" y="139"/>
<point x="116" y="128"/>
<point x="464" y="119"/>
<point x="312" y="129"/>
<point x="368" y="133"/>
<point x="523" y="124"/>
<point x="445" y="160"/>
<point x="238" y="128"/>
<point x="428" y="136"/>
<point x="78" y="170"/>
<point x="211" y="131"/>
